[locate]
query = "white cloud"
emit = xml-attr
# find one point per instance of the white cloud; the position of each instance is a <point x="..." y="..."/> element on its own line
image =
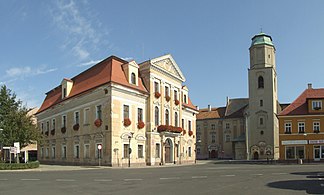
<point x="79" y="26"/>
<point x="89" y="63"/>
<point x="21" y="72"/>
<point x="127" y="58"/>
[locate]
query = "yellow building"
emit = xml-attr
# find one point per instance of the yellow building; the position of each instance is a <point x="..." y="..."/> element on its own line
<point x="140" y="114"/>
<point x="300" y="131"/>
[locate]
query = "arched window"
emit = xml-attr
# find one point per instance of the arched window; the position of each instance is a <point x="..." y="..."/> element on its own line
<point x="176" y="119"/>
<point x="260" y="82"/>
<point x="133" y="78"/>
<point x="167" y="117"/>
<point x="156" y="113"/>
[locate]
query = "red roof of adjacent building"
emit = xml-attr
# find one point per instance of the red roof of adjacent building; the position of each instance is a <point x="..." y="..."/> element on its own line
<point x="212" y="114"/>
<point x="299" y="106"/>
<point x="108" y="70"/>
<point x="190" y="105"/>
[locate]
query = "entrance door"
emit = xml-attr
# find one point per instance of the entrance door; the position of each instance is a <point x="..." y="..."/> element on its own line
<point x="317" y="153"/>
<point x="168" y="151"/>
<point x="256" y="156"/>
<point x="213" y="154"/>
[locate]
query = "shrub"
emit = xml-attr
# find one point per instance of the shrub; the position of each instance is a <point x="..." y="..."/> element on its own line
<point x="16" y="166"/>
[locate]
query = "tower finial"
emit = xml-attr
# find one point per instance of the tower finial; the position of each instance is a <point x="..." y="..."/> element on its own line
<point x="261" y="29"/>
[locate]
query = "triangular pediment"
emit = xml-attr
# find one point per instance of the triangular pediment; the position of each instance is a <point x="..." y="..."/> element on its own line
<point x="167" y="65"/>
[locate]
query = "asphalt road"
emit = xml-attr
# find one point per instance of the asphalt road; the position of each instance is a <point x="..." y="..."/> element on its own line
<point x="207" y="178"/>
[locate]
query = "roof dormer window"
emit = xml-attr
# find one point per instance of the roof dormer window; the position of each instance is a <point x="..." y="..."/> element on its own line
<point x="317" y="105"/>
<point x="133" y="78"/>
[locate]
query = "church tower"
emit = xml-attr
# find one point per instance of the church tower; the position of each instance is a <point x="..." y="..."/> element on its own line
<point x="262" y="123"/>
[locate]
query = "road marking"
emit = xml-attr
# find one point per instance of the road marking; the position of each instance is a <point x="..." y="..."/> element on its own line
<point x="103" y="180"/>
<point x="257" y="174"/>
<point x="228" y="175"/>
<point x="29" y="179"/>
<point x="65" y="179"/>
<point x="279" y="173"/>
<point x="322" y="185"/>
<point x="320" y="178"/>
<point x="3" y="179"/>
<point x="133" y="179"/>
<point x="165" y="178"/>
<point x="198" y="177"/>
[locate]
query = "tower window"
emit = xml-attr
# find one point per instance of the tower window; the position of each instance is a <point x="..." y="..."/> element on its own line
<point x="260" y="82"/>
<point x="261" y="103"/>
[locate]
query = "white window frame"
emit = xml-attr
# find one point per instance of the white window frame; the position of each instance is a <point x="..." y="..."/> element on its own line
<point x="75" y="118"/>
<point x="86" y="112"/>
<point x="316" y="124"/>
<point x="301" y="127"/>
<point x="64" y="152"/>
<point x="97" y="115"/>
<point x="288" y="127"/>
<point x="316" y="105"/>
<point x="157" y="148"/>
<point x="64" y="116"/>
<point x="76" y="153"/>
<point x="142" y="155"/>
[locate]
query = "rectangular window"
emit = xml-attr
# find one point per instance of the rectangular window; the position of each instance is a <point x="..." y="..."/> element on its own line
<point x="156" y="87"/>
<point x="198" y="150"/>
<point x="86" y="151"/>
<point x="183" y="123"/>
<point x="261" y="103"/>
<point x="288" y="128"/>
<point x="76" y="151"/>
<point x="64" y="121"/>
<point x="301" y="127"/>
<point x="290" y="152"/>
<point x="316" y="105"/>
<point x="42" y="152"/>
<point x="98" y="112"/>
<point x="294" y="152"/>
<point x="316" y="127"/>
<point x="213" y="140"/>
<point x="64" y="92"/>
<point x="42" y="127"/>
<point x="53" y="151"/>
<point x="86" y="116"/>
<point x="47" y="126"/>
<point x="64" y="151"/>
<point x="126" y="149"/>
<point x="175" y="94"/>
<point x="53" y="123"/>
<point x="166" y="91"/>
<point x="189" y="125"/>
<point x="157" y="150"/>
<point x="126" y="111"/>
<point x="185" y="98"/>
<point x="76" y="118"/>
<point x="189" y="151"/>
<point x="227" y="126"/>
<point x="140" y="151"/>
<point x="213" y="126"/>
<point x="139" y="114"/>
<point x="47" y="153"/>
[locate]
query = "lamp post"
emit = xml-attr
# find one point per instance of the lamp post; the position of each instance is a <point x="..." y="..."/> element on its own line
<point x="1" y="158"/>
<point x="197" y="143"/>
<point x="129" y="148"/>
<point x="305" y="135"/>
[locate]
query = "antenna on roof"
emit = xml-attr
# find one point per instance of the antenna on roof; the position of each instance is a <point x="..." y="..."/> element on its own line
<point x="261" y="30"/>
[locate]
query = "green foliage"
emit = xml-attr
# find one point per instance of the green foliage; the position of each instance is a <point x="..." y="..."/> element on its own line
<point x="15" y="166"/>
<point x="15" y="124"/>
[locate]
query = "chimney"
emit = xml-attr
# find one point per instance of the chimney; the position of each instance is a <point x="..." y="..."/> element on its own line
<point x="209" y="108"/>
<point x="310" y="86"/>
<point x="227" y="100"/>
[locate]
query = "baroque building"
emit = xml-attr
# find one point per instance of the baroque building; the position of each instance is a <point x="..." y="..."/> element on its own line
<point x="247" y="128"/>
<point x="120" y="113"/>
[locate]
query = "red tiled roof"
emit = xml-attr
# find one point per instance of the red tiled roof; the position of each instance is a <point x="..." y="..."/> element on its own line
<point x="214" y="113"/>
<point x="299" y="105"/>
<point x="108" y="70"/>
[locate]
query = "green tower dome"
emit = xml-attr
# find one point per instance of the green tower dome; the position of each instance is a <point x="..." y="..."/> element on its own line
<point x="262" y="38"/>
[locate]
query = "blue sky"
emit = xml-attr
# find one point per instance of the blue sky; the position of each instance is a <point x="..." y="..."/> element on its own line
<point x="42" y="42"/>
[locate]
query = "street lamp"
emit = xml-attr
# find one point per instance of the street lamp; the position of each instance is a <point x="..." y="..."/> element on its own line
<point x="305" y="135"/>
<point x="129" y="148"/>
<point x="197" y="143"/>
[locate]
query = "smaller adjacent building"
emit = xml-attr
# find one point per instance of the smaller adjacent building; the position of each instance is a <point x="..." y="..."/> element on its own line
<point x="300" y="133"/>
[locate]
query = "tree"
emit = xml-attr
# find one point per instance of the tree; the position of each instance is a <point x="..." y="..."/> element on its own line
<point x="15" y="124"/>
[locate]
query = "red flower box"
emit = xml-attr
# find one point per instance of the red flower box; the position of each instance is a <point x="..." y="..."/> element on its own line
<point x="157" y="94"/>
<point x="169" y="128"/>
<point x="177" y="102"/>
<point x="167" y="98"/>
<point x="98" y="122"/>
<point x="76" y="127"/>
<point x="63" y="129"/>
<point x="190" y="133"/>
<point x="127" y="122"/>
<point x="53" y="132"/>
<point x="140" y="125"/>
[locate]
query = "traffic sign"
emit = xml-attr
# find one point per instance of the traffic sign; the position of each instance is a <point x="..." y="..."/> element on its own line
<point x="99" y="146"/>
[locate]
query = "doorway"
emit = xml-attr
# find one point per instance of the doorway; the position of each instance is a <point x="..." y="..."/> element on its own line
<point x="256" y="156"/>
<point x="168" y="151"/>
